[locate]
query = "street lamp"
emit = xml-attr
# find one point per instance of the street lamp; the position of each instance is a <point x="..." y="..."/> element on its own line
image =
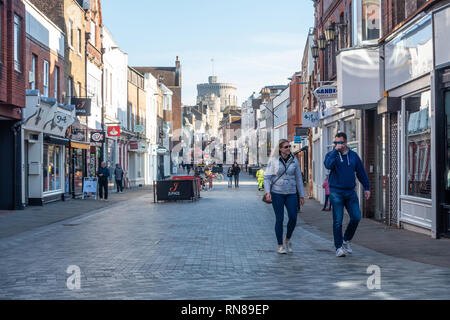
<point x="330" y="33"/>
<point x="322" y="42"/>
<point x="315" y="51"/>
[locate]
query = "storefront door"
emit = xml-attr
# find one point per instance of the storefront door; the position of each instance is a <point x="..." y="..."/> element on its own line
<point x="446" y="210"/>
<point x="380" y="167"/>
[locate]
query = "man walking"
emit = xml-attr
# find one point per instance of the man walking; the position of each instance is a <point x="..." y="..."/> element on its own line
<point x="118" y="174"/>
<point x="103" y="175"/>
<point x="236" y="171"/>
<point x="343" y="163"/>
<point x="260" y="176"/>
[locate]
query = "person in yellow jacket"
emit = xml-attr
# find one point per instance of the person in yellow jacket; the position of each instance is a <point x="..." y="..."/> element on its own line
<point x="260" y="175"/>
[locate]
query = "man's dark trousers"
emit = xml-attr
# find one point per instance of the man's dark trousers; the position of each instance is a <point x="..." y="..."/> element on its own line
<point x="119" y="185"/>
<point x="103" y="184"/>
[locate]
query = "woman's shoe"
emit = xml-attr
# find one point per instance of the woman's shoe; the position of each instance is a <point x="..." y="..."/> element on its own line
<point x="281" y="250"/>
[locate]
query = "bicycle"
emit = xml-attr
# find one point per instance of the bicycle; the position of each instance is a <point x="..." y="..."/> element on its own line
<point x="218" y="176"/>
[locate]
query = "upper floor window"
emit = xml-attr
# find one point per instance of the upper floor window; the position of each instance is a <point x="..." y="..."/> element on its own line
<point x="32" y="79"/>
<point x="79" y="41"/>
<point x="93" y="33"/>
<point x="370" y="20"/>
<point x="17" y="42"/>
<point x="70" y="33"/>
<point x="46" y="70"/>
<point x="366" y="21"/>
<point x="56" y="82"/>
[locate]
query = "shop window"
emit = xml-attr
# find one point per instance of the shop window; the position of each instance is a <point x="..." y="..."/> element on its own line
<point x="331" y="133"/>
<point x="350" y="128"/>
<point x="418" y="145"/>
<point x="52" y="168"/>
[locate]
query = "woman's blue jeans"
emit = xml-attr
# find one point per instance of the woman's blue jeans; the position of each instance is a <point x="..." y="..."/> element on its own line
<point x="279" y="201"/>
<point x="349" y="200"/>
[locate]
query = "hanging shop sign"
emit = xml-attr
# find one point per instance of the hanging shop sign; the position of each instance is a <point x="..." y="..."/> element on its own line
<point x="113" y="131"/>
<point x="310" y="119"/>
<point x="325" y="93"/>
<point x="82" y="106"/>
<point x="139" y="128"/>
<point x="134" y="145"/>
<point x="97" y="136"/>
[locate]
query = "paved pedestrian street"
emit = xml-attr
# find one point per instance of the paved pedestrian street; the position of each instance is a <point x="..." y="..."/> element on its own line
<point x="220" y="247"/>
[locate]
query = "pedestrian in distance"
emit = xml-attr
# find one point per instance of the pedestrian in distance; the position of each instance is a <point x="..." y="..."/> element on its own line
<point x="103" y="175"/>
<point x="343" y="163"/>
<point x="326" y="186"/>
<point x="260" y="177"/>
<point x="236" y="171"/>
<point x="282" y="180"/>
<point x="230" y="177"/>
<point x="118" y="176"/>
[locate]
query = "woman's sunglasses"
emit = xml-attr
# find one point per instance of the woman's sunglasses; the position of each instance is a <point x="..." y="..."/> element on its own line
<point x="285" y="147"/>
<point x="338" y="142"/>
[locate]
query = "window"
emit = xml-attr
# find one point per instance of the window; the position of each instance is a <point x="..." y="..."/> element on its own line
<point x="70" y="33"/>
<point x="418" y="145"/>
<point x="17" y="42"/>
<point x="46" y="78"/>
<point x="79" y="41"/>
<point x="370" y="20"/>
<point x="331" y="133"/>
<point x="33" y="71"/>
<point x="69" y="90"/>
<point x="93" y="33"/>
<point x="350" y="127"/>
<point x="1" y="29"/>
<point x="79" y="89"/>
<point x="56" y="82"/>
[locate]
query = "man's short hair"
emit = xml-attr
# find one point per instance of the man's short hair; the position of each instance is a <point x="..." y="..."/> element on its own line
<point x="341" y="135"/>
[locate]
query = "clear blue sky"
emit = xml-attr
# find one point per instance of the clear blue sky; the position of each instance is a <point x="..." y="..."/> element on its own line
<point x="253" y="43"/>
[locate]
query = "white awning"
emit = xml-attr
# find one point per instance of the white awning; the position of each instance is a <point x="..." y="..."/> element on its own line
<point x="358" y="78"/>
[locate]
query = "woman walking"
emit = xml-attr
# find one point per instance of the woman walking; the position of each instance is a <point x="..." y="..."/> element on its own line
<point x="282" y="181"/>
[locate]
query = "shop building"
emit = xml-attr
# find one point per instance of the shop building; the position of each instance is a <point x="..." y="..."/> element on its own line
<point x="12" y="101"/>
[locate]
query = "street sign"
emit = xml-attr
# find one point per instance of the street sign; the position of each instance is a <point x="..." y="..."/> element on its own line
<point x="297" y="139"/>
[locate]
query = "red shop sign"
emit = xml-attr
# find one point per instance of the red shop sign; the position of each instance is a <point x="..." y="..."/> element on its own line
<point x="114" y="131"/>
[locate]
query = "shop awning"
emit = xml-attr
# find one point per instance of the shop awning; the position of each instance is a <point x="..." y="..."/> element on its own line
<point x="79" y="145"/>
<point x="56" y="140"/>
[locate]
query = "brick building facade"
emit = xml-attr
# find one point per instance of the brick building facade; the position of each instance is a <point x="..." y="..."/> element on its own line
<point x="12" y="100"/>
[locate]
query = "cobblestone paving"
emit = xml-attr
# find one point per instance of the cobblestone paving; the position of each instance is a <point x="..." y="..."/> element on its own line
<point x="221" y="247"/>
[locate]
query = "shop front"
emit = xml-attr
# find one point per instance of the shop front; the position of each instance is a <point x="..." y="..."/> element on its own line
<point x="408" y="83"/>
<point x="45" y="149"/>
<point x="441" y="186"/>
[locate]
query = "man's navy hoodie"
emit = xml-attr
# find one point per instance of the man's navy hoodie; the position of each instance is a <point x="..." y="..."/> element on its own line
<point x="342" y="171"/>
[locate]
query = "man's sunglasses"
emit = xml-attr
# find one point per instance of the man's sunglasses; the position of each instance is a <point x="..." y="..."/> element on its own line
<point x="338" y="142"/>
<point x="286" y="147"/>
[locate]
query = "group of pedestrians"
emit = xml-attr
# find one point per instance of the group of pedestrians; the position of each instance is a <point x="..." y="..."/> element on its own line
<point x="103" y="175"/>
<point x="233" y="171"/>
<point x="283" y="186"/>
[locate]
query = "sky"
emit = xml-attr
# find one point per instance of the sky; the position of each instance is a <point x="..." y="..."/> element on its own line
<point x="253" y="43"/>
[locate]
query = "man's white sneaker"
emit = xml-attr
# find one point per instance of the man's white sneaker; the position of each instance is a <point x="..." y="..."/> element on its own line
<point x="288" y="246"/>
<point x="281" y="250"/>
<point x="340" y="252"/>
<point x="346" y="247"/>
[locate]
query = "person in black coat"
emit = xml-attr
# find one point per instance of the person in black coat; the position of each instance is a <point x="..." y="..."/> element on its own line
<point x="236" y="171"/>
<point x="103" y="175"/>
